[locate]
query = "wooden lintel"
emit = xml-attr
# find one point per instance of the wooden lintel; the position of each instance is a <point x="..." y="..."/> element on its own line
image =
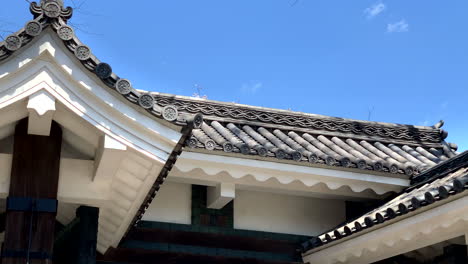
<point x="75" y="185"/>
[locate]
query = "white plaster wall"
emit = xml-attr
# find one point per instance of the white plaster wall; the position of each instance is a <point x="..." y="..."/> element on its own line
<point x="172" y="204"/>
<point x="279" y="213"/>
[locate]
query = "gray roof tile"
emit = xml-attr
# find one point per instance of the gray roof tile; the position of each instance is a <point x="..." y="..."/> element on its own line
<point x="444" y="180"/>
<point x="57" y="22"/>
<point x="320" y="149"/>
<point x="255" y="131"/>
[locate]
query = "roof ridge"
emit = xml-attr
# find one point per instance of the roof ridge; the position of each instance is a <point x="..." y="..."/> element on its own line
<point x="271" y="109"/>
<point x="254" y="115"/>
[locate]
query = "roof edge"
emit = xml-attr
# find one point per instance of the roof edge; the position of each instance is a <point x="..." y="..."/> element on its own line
<point x="439" y="170"/>
<point x="52" y="14"/>
<point x="373" y="218"/>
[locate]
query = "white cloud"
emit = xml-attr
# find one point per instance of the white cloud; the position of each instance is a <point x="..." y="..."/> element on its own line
<point x="251" y="87"/>
<point x="375" y="10"/>
<point x="400" y="26"/>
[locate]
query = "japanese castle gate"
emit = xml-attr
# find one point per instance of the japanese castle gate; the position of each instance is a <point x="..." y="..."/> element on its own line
<point x="84" y="156"/>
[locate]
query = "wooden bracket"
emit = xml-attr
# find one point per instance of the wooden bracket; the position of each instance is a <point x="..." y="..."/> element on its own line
<point x="41" y="107"/>
<point x="110" y="153"/>
<point x="219" y="196"/>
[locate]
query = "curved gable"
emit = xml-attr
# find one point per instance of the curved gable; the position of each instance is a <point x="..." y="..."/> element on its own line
<point x="130" y="142"/>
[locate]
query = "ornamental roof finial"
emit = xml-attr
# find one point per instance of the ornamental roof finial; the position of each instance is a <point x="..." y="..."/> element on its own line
<point x="60" y="2"/>
<point x="51" y="9"/>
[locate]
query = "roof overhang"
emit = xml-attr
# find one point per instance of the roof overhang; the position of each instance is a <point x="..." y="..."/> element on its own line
<point x="435" y="224"/>
<point x="295" y="179"/>
<point x="128" y="147"/>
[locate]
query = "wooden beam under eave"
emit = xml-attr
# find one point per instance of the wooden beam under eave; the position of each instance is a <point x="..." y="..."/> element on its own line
<point x="41" y="108"/>
<point x="221" y="195"/>
<point x="109" y="155"/>
<point x="75" y="182"/>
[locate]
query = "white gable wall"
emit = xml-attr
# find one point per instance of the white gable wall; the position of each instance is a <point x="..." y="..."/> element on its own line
<point x="253" y="210"/>
<point x="172" y="205"/>
<point x="279" y="213"/>
<point x="89" y="112"/>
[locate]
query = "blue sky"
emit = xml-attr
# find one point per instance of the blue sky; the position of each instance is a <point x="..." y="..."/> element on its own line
<point x="393" y="61"/>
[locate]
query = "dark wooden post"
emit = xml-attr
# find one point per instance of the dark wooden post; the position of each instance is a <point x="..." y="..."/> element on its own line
<point x="455" y="254"/>
<point x="87" y="232"/>
<point x="32" y="201"/>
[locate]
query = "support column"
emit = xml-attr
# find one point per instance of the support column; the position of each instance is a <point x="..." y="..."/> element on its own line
<point x="32" y="201"/>
<point x="455" y="254"/>
<point x="77" y="242"/>
<point x="87" y="240"/>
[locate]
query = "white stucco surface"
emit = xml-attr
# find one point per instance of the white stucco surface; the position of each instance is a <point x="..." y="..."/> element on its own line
<point x="45" y="73"/>
<point x="173" y="204"/>
<point x="270" y="212"/>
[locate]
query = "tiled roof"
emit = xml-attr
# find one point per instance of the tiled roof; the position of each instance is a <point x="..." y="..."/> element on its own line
<point x="254" y="131"/>
<point x="51" y="14"/>
<point x="446" y="179"/>
<point x="285" y="135"/>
